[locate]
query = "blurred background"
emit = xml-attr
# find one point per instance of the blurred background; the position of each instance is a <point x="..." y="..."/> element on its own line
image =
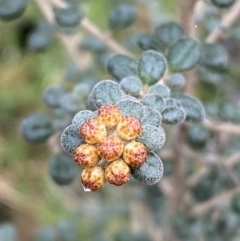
<point x="33" y="207"/>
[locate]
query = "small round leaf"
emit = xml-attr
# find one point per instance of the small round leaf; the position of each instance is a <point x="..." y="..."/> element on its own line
<point x="173" y="115"/>
<point x="130" y="108"/>
<point x="131" y="85"/>
<point x="169" y="33"/>
<point x="151" y="67"/>
<point x="121" y="66"/>
<point x="151" y="117"/>
<point x="70" y="140"/>
<point x="151" y="170"/>
<point x="192" y="107"/>
<point x="184" y="54"/>
<point x="62" y="169"/>
<point x="152" y="137"/>
<point x="161" y="90"/>
<point x="36" y="128"/>
<point x="106" y="92"/>
<point x="154" y="101"/>
<point x="223" y="3"/>
<point x="214" y="56"/>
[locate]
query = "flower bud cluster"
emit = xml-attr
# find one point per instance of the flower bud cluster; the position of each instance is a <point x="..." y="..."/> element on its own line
<point x="110" y="148"/>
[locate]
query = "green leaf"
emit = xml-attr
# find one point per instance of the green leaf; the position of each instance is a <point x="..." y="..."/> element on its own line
<point x="121" y="66"/>
<point x="169" y="33"/>
<point x="151" y="67"/>
<point x="210" y="76"/>
<point x="149" y="42"/>
<point x="161" y="90"/>
<point x="79" y="119"/>
<point x="153" y="100"/>
<point x="131" y="85"/>
<point x="214" y="56"/>
<point x="152" y="137"/>
<point x="151" y="170"/>
<point x="122" y="16"/>
<point x="192" y="107"/>
<point x="36" y="128"/>
<point x="176" y="81"/>
<point x="173" y="115"/>
<point x="62" y="169"/>
<point x="184" y="54"/>
<point x="105" y="92"/>
<point x="132" y="108"/>
<point x="70" y="140"/>
<point x="151" y="117"/>
<point x="223" y="3"/>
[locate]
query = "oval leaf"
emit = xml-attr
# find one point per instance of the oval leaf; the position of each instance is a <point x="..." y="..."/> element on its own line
<point x="192" y="107"/>
<point x="121" y="66"/>
<point x="81" y="117"/>
<point x="184" y="54"/>
<point x="152" y="137"/>
<point x="62" y="169"/>
<point x="151" y="67"/>
<point x="169" y="33"/>
<point x="214" y="56"/>
<point x="132" y="108"/>
<point x="173" y="115"/>
<point x="161" y="90"/>
<point x="154" y="101"/>
<point x="70" y="140"/>
<point x="106" y="92"/>
<point x="131" y="85"/>
<point x="36" y="128"/>
<point x="151" y="170"/>
<point x="151" y="117"/>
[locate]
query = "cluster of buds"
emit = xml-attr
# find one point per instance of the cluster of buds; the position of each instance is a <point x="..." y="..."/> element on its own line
<point x="110" y="148"/>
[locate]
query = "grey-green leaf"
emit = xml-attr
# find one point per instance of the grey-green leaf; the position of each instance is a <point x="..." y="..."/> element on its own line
<point x="151" y="67"/>
<point x="161" y="90"/>
<point x="132" y="108"/>
<point x="151" y="117"/>
<point x="192" y="107"/>
<point x="121" y="66"/>
<point x="176" y="81"/>
<point x="173" y="115"/>
<point x="152" y="137"/>
<point x="70" y="140"/>
<point x="223" y="3"/>
<point x="169" y="33"/>
<point x="106" y="92"/>
<point x="131" y="85"/>
<point x="214" y="56"/>
<point x="184" y="54"/>
<point x="151" y="170"/>
<point x="81" y="117"/>
<point x="154" y="101"/>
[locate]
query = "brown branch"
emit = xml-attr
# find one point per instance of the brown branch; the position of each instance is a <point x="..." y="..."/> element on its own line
<point x="93" y="30"/>
<point x="222" y="127"/>
<point x="229" y="19"/>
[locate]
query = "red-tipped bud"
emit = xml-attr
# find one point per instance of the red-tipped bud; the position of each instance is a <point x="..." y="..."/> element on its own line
<point x="93" y="131"/>
<point x="129" y="128"/>
<point x="117" y="172"/>
<point x="86" y="155"/>
<point x="109" y="115"/>
<point x="110" y="148"/>
<point x="93" y="178"/>
<point x="135" y="154"/>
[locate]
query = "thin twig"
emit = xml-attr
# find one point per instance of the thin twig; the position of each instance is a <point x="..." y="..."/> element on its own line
<point x="69" y="41"/>
<point x="93" y="30"/>
<point x="203" y="208"/>
<point x="228" y="20"/>
<point x="223" y="127"/>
